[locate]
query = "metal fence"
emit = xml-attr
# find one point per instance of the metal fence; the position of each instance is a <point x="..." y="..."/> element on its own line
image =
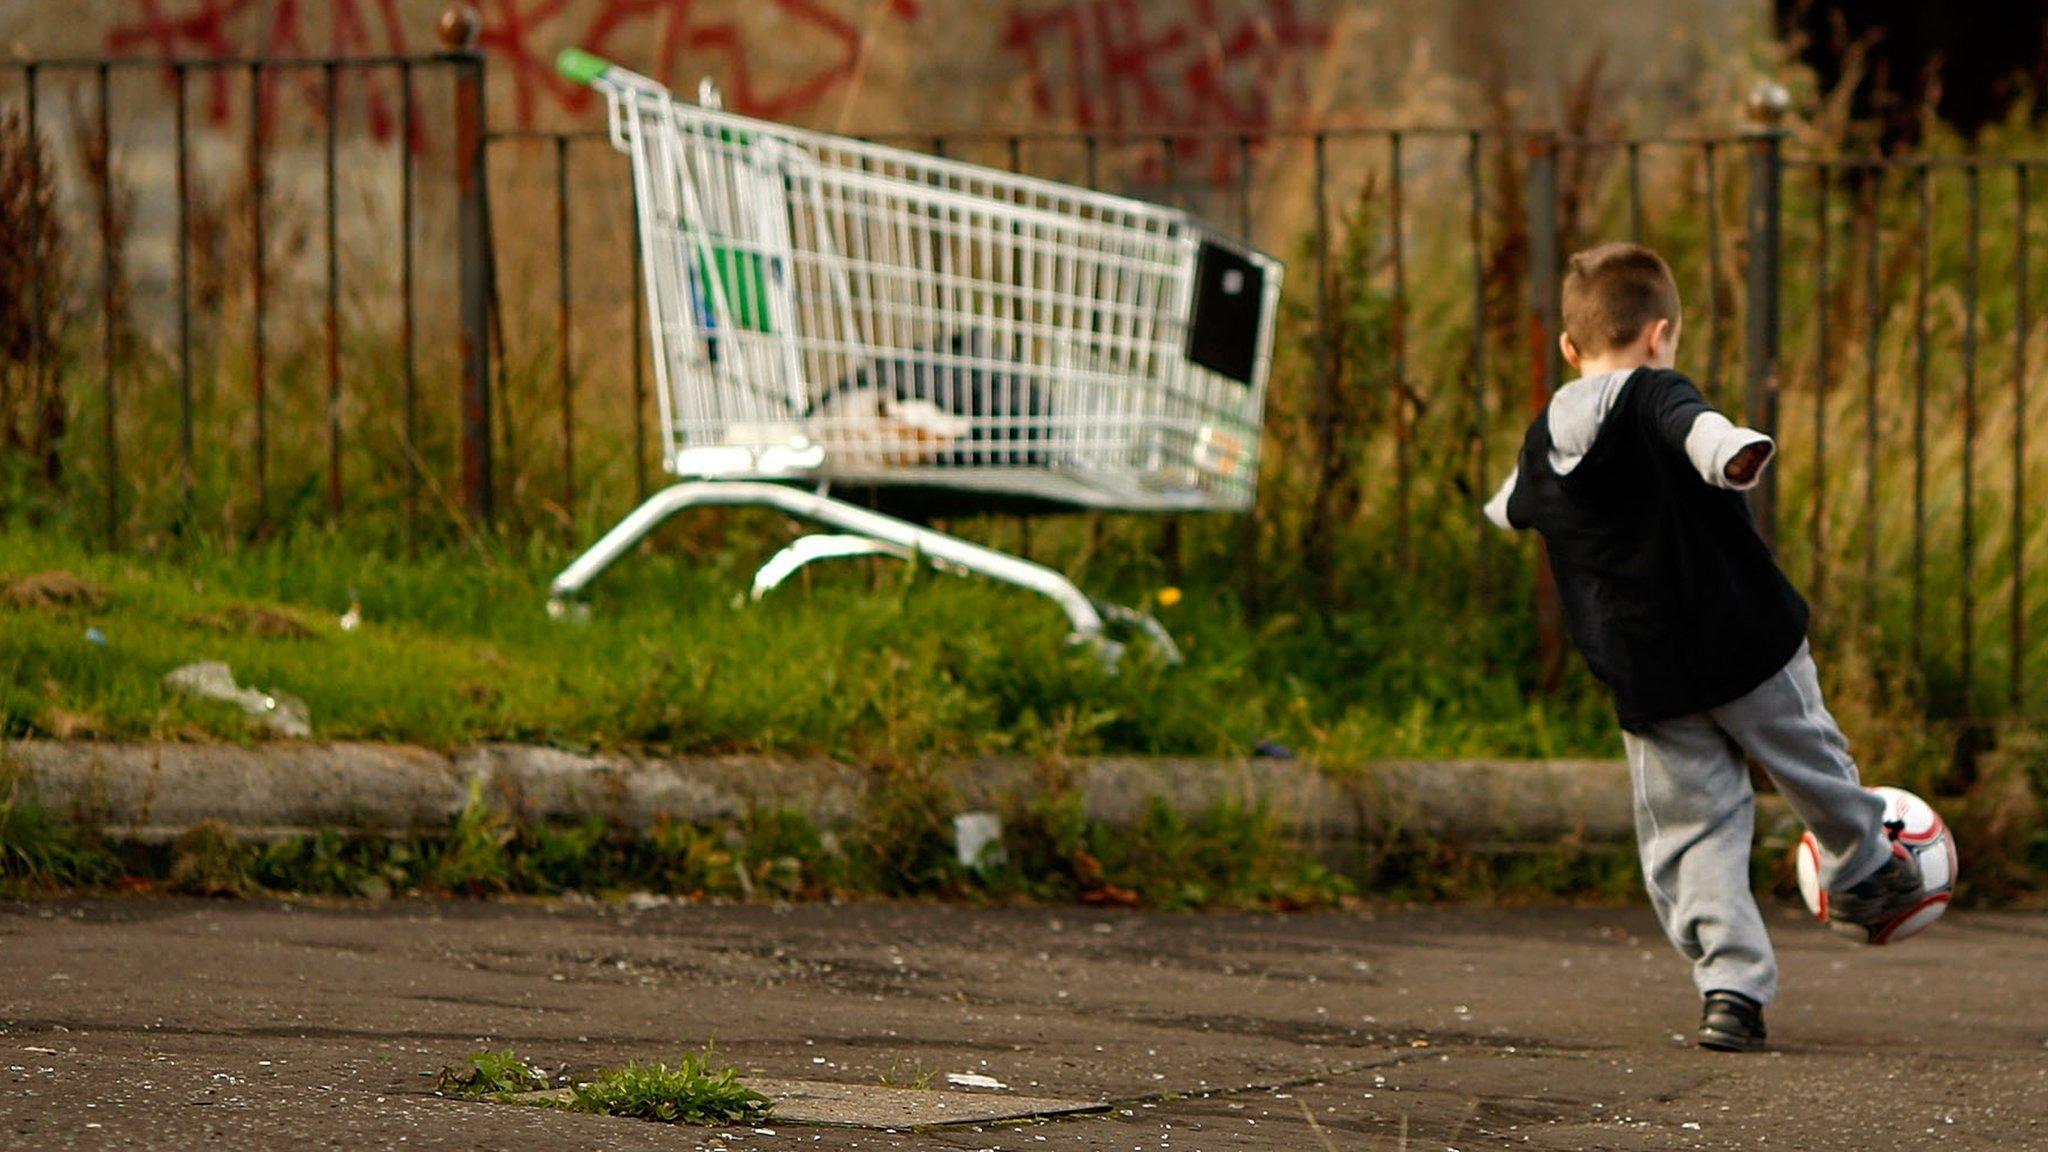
<point x="1874" y="314"/>
<point x="153" y="161"/>
<point x="1907" y="289"/>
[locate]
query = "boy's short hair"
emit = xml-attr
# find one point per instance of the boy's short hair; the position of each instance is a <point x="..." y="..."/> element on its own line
<point x="1612" y="292"/>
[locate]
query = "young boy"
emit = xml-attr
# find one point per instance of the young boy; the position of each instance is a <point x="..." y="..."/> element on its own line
<point x="1634" y="483"/>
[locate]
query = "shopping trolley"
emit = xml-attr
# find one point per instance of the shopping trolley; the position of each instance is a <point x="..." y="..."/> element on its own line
<point x="861" y="336"/>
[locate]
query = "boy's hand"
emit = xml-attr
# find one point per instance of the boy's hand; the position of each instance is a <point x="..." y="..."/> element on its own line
<point x="1743" y="467"/>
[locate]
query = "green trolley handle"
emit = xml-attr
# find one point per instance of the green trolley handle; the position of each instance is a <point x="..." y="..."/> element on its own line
<point x="584" y="68"/>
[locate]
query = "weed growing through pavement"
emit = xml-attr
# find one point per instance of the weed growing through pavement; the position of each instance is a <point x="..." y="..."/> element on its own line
<point x="494" y="1076"/>
<point x="916" y="1077"/>
<point x="694" y="1091"/>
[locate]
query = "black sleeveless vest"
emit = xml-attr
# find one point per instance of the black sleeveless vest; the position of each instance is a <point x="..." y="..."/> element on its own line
<point x="1669" y="593"/>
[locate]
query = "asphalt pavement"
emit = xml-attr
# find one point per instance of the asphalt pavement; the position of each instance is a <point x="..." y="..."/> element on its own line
<point x="161" y="1023"/>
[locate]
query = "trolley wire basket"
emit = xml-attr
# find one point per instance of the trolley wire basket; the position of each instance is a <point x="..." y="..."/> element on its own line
<point x="828" y="313"/>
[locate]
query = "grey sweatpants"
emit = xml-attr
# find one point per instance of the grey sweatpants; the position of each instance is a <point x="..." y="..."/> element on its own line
<point x="1696" y="814"/>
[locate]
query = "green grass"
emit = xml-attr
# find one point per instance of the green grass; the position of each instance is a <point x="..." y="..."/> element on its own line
<point x="693" y="1091"/>
<point x="881" y="664"/>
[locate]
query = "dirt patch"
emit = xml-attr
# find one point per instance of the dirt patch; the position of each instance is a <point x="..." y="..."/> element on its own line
<point x="64" y="724"/>
<point x="53" y="591"/>
<point x="264" y="621"/>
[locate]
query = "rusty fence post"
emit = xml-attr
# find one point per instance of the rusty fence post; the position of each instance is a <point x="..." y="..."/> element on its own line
<point x="459" y="38"/>
<point x="1761" y="320"/>
<point x="1545" y="321"/>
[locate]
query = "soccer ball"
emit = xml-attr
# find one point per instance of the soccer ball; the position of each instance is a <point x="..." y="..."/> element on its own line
<point x="1915" y="824"/>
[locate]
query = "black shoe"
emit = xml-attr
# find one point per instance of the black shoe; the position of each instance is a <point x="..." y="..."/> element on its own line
<point x="1867" y="909"/>
<point x="1732" y="1022"/>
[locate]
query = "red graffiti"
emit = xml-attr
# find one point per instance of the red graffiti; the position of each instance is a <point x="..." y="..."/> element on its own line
<point x="1194" y="71"/>
<point x="658" y="35"/>
<point x="226" y="29"/>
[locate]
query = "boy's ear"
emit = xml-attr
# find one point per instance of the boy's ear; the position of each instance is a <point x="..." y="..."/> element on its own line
<point x="1570" y="350"/>
<point x="1657" y="337"/>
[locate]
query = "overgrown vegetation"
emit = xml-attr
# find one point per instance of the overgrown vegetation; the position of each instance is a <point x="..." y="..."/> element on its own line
<point x="39" y="853"/>
<point x="1231" y="855"/>
<point x="34" y="311"/>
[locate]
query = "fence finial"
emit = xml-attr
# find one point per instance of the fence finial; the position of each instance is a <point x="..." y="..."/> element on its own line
<point x="460" y="26"/>
<point x="1768" y="104"/>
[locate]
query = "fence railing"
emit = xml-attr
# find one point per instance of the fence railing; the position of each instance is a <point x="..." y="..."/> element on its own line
<point x="244" y="158"/>
<point x="300" y="308"/>
<point x="1913" y="357"/>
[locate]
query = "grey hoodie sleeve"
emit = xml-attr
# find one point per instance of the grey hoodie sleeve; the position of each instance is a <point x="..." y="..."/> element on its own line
<point x="1680" y="417"/>
<point x="1497" y="508"/>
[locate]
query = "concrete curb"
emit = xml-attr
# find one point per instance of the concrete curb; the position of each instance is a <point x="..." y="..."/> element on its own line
<point x="156" y="791"/>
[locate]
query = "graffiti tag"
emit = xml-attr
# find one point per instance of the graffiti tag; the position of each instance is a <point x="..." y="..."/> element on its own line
<point x="1101" y="65"/>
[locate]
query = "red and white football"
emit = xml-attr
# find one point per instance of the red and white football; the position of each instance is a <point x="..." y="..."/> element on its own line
<point x="1915" y="825"/>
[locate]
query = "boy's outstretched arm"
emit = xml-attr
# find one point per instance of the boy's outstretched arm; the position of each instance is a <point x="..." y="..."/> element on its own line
<point x="1723" y="453"/>
<point x="1497" y="508"/>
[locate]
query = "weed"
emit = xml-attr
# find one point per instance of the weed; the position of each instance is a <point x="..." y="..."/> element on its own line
<point x="1406" y="866"/>
<point x="476" y="858"/>
<point x="1999" y="823"/>
<point x="790" y="856"/>
<point x="683" y="859"/>
<point x="906" y="838"/>
<point x="1046" y="837"/>
<point x="493" y="1075"/>
<point x="916" y="1078"/>
<point x="209" y="861"/>
<point x="1232" y="854"/>
<point x="333" y="863"/>
<point x="694" y="1091"/>
<point x="551" y="858"/>
<point x="39" y="852"/>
